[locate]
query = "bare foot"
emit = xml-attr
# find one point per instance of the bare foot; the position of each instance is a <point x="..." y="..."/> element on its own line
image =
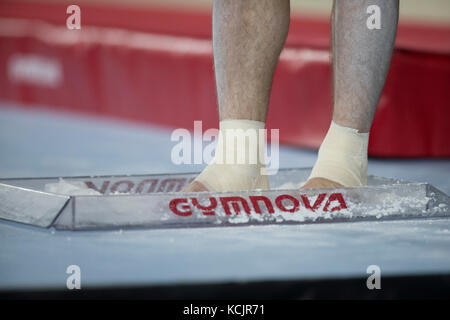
<point x="322" y="183"/>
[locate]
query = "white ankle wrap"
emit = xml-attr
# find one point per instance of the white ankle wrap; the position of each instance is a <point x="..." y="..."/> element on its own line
<point x="343" y="156"/>
<point x="239" y="158"/>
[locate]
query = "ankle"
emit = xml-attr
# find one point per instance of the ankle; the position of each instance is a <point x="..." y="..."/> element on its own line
<point x="343" y="157"/>
<point x="239" y="160"/>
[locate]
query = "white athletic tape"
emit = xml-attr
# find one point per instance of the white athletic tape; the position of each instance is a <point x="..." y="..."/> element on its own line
<point x="343" y="156"/>
<point x="239" y="158"/>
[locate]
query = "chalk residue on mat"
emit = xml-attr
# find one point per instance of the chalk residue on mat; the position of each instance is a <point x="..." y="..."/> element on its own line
<point x="290" y="185"/>
<point x="72" y="188"/>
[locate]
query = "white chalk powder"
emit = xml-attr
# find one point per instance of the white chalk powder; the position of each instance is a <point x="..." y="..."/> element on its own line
<point x="72" y="188"/>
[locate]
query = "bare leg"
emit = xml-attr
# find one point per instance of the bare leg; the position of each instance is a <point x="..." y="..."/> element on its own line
<point x="361" y="58"/>
<point x="247" y="40"/>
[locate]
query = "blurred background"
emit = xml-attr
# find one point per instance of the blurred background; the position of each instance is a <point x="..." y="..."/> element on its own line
<point x="435" y="11"/>
<point x="105" y="99"/>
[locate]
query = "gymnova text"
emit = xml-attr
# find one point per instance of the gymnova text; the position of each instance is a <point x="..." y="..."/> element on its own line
<point x="234" y="205"/>
<point x="229" y="147"/>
